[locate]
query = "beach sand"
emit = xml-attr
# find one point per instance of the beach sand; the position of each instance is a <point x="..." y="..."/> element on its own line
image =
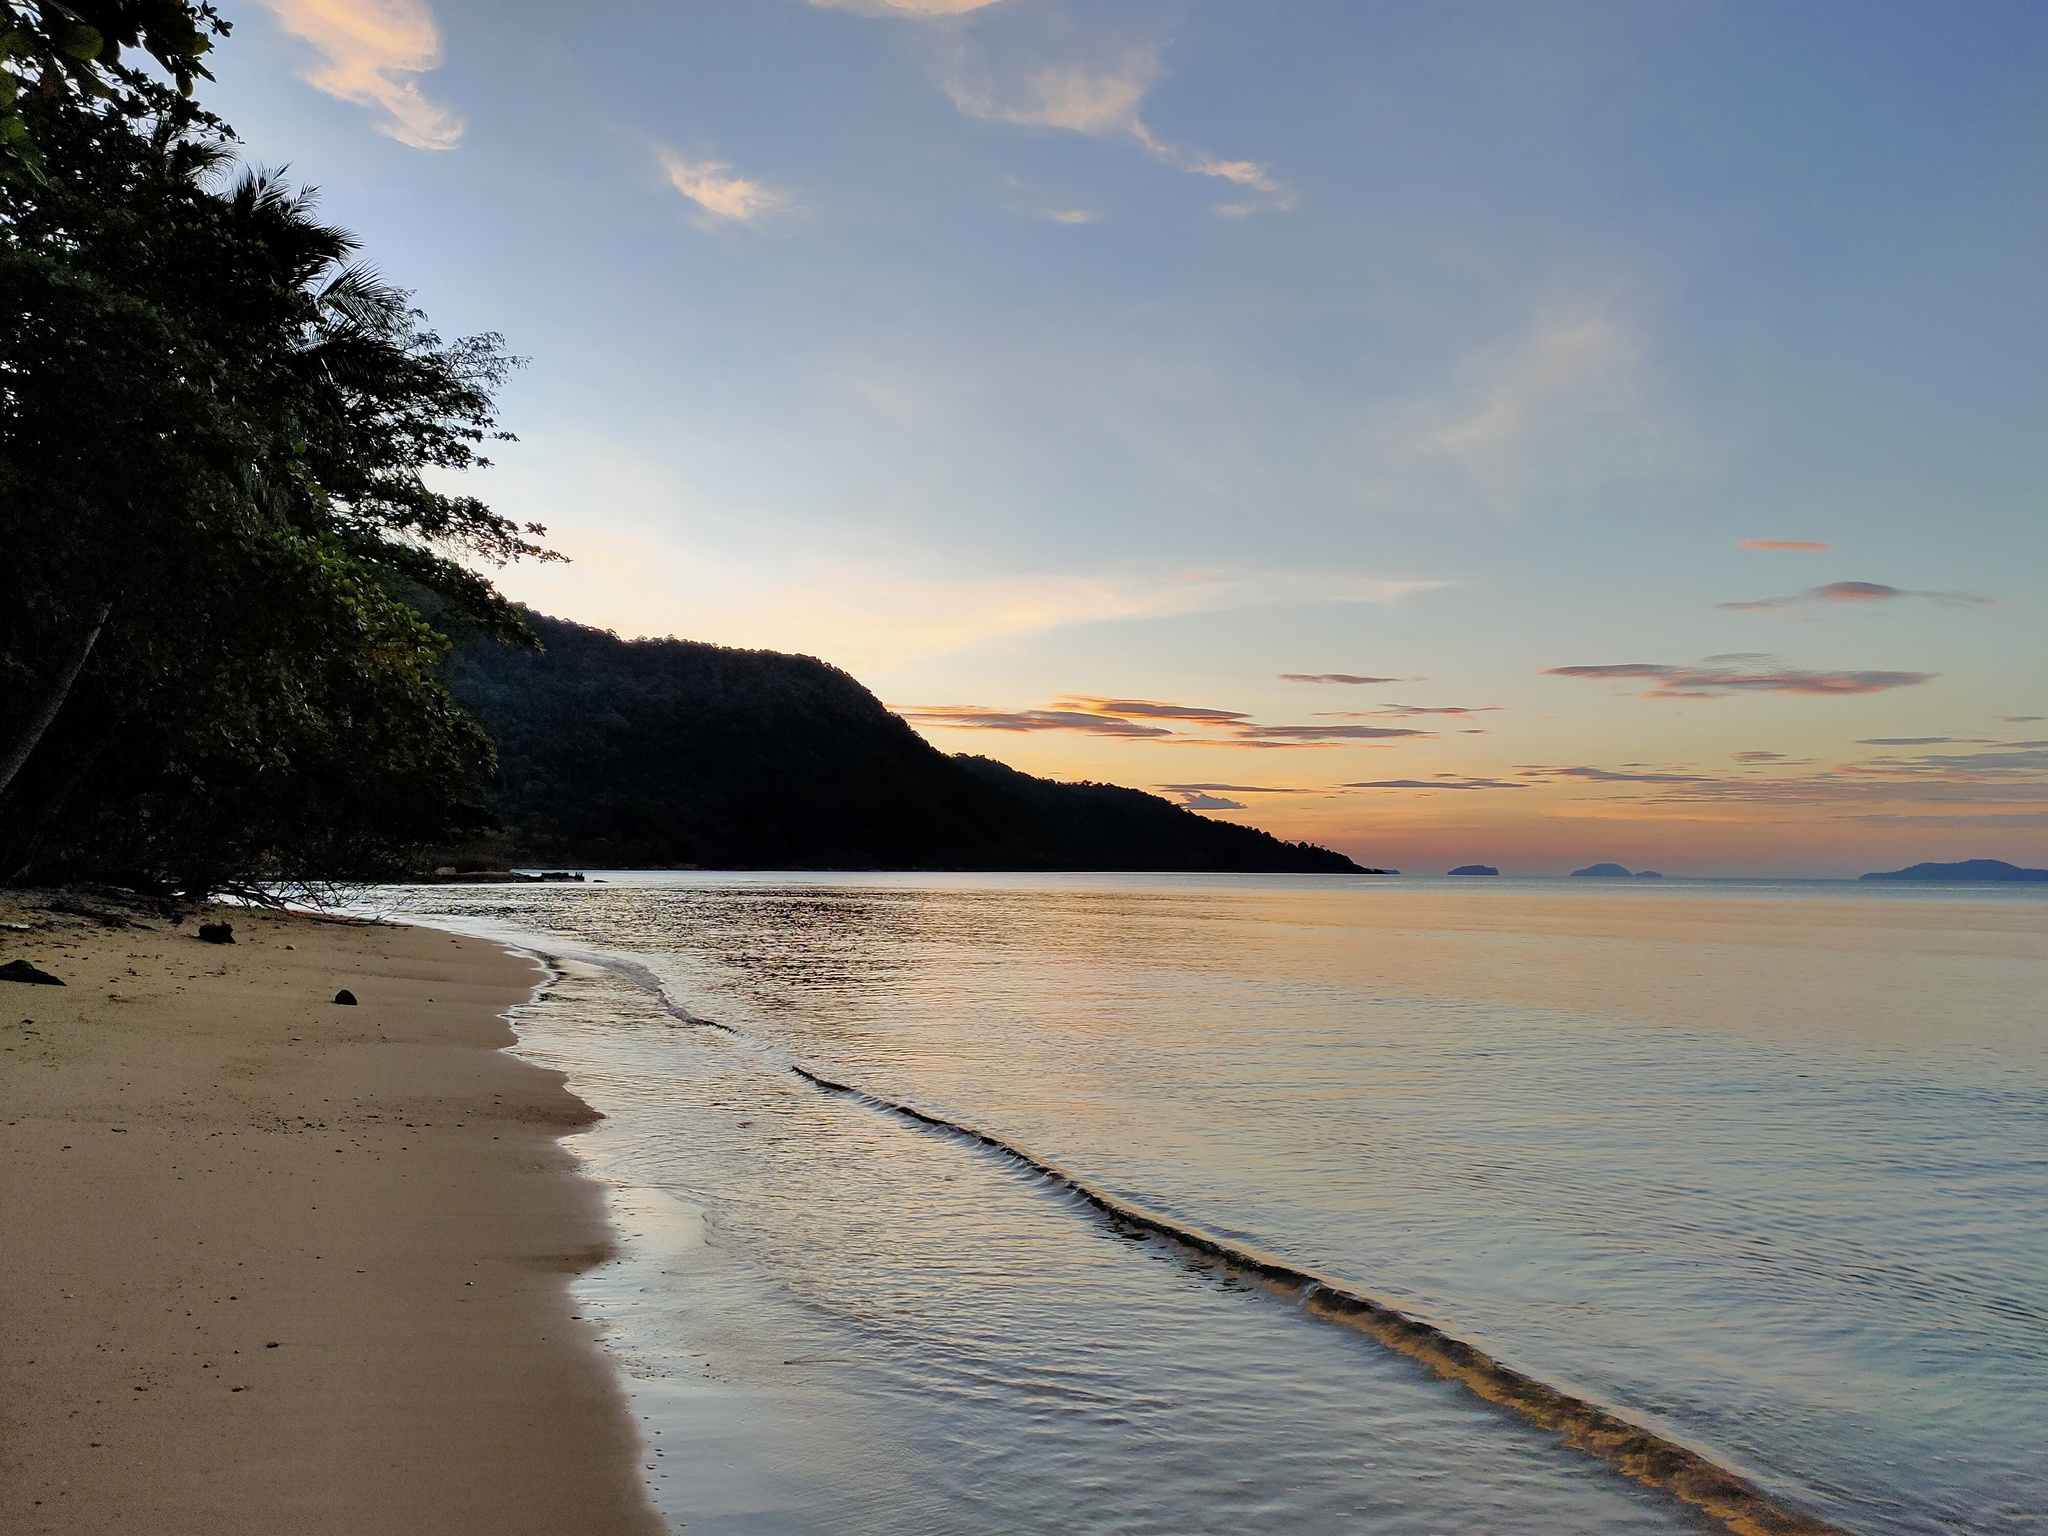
<point x="269" y="1264"/>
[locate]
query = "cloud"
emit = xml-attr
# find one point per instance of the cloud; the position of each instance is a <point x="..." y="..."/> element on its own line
<point x="1069" y="216"/>
<point x="1202" y="802"/>
<point x="1905" y="741"/>
<point x="1564" y="406"/>
<point x="1554" y="405"/>
<point x="1129" y="718"/>
<point x="870" y="614"/>
<point x="973" y="717"/>
<point x="1148" y="709"/>
<point x="730" y="199"/>
<point x="1612" y="776"/>
<point x="1855" y="592"/>
<point x="1718" y="676"/>
<point x="1759" y="757"/>
<point x="2009" y="819"/>
<point x="1237" y="789"/>
<point x="2010" y="757"/>
<point x="2006" y="774"/>
<point x="1100" y="98"/>
<point x="925" y="9"/>
<point x="369" y="50"/>
<point x="1441" y="781"/>
<point x="1807" y="544"/>
<point x="2022" y="719"/>
<point x="1338" y="677"/>
<point x="1298" y="735"/>
<point x="1406" y="711"/>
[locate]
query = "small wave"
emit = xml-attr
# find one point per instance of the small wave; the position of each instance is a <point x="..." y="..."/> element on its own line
<point x="1642" y="1454"/>
<point x="1647" y="1457"/>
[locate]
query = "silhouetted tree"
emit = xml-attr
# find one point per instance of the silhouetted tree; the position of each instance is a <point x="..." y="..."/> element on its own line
<point x="214" y="430"/>
<point x="86" y="51"/>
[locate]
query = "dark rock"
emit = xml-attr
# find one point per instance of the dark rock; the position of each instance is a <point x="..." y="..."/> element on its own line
<point x="216" y="933"/>
<point x="1973" y="870"/>
<point x="1603" y="872"/>
<point x="1475" y="869"/>
<point x="346" y="998"/>
<point x="21" y="970"/>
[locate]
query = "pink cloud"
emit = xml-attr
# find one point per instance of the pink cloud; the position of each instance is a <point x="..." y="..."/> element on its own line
<point x="1338" y="677"/>
<point x="1855" y="592"/>
<point x="1719" y="676"/>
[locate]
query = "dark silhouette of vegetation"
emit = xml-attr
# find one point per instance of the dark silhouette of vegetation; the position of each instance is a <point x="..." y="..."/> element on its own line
<point x="78" y="52"/>
<point x="635" y="753"/>
<point x="214" y="423"/>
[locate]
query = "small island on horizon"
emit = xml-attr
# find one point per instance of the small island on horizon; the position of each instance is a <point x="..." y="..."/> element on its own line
<point x="1970" y="871"/>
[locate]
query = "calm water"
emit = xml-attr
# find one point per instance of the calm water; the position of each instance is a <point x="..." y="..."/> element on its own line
<point x="1762" y="1166"/>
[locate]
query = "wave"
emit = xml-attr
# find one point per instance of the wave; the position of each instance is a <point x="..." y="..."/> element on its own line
<point x="1643" y="1455"/>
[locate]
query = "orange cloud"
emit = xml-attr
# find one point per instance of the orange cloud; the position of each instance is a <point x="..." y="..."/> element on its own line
<point x="1128" y="717"/>
<point x="370" y="51"/>
<point x="732" y="199"/>
<point x="1147" y="709"/>
<point x="972" y="717"/>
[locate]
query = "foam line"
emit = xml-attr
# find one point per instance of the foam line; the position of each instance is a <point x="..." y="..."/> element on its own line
<point x="1644" y="1455"/>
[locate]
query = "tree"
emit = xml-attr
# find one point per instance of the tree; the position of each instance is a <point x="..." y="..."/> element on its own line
<point x="215" y="431"/>
<point x="84" y="51"/>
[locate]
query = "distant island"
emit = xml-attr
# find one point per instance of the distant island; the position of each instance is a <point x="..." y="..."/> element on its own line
<point x="1475" y="869"/>
<point x="634" y="754"/>
<point x="1980" y="871"/>
<point x="1614" y="872"/>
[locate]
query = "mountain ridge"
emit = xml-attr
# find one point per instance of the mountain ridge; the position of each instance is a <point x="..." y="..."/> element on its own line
<point x="672" y="753"/>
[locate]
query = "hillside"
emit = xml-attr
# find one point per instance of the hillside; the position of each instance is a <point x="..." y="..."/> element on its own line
<point x="660" y="753"/>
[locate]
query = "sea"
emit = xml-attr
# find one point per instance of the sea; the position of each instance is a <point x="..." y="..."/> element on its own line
<point x="1759" y="1166"/>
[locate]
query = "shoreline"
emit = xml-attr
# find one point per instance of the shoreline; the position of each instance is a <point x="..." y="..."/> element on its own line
<point x="277" y="1264"/>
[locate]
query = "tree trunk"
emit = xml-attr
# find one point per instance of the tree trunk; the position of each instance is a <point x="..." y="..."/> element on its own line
<point x="52" y="701"/>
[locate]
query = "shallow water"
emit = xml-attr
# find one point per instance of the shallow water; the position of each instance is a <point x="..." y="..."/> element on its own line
<point x="1763" y="1167"/>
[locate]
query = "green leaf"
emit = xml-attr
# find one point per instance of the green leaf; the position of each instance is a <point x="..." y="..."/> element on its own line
<point x="83" y="42"/>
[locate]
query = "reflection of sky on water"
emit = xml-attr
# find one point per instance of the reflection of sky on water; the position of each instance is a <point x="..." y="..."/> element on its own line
<point x="1761" y="1166"/>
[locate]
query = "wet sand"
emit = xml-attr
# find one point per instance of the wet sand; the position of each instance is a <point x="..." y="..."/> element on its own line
<point x="275" y="1265"/>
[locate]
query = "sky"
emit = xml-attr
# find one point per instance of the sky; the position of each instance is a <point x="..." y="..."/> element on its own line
<point x="1450" y="432"/>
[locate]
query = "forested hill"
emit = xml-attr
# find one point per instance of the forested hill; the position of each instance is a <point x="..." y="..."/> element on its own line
<point x="657" y="753"/>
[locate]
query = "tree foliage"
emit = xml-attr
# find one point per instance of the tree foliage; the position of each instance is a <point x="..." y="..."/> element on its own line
<point x="76" y="52"/>
<point x="223" y="432"/>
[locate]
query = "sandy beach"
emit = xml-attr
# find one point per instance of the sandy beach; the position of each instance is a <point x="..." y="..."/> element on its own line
<point x="276" y="1265"/>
